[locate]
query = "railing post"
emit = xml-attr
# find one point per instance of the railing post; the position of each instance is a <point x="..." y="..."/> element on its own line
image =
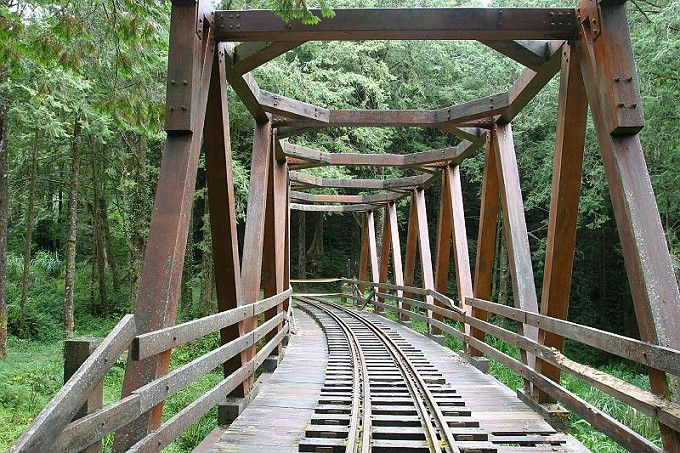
<point x="76" y="351"/>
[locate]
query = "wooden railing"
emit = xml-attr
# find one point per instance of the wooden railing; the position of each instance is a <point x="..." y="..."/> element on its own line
<point x="654" y="357"/>
<point x="54" y="430"/>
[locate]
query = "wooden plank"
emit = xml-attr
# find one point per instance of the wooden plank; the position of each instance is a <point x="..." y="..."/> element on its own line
<point x="347" y="199"/>
<point x="515" y="229"/>
<point x="184" y="77"/>
<point x="486" y="237"/>
<point x="152" y="343"/>
<point x="618" y="89"/>
<point x="245" y="86"/>
<point x="332" y="208"/>
<point x="411" y="250"/>
<point x="424" y="247"/>
<point x="304" y="180"/>
<point x="160" y="282"/>
<point x="600" y="421"/>
<point x="563" y="217"/>
<point x="651" y="355"/>
<point x="401" y="23"/>
<point x="251" y="55"/>
<point x="443" y="247"/>
<point x="253" y="241"/>
<point x="221" y="203"/>
<point x="460" y="247"/>
<point x="61" y="409"/>
<point x="277" y="104"/>
<point x="530" y="82"/>
<point x="532" y="54"/>
<point x="379" y="160"/>
<point x="639" y="399"/>
<point x="653" y="285"/>
<point x="480" y="108"/>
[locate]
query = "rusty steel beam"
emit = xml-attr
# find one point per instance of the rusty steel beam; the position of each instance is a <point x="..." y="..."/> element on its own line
<point x="347" y="199"/>
<point x="251" y="55"/>
<point x="515" y="230"/>
<point x="302" y="180"/>
<point x="653" y="285"/>
<point x="563" y="217"/>
<point x="222" y="203"/>
<point x="401" y="23"/>
<point x="532" y="54"/>
<point x="160" y="282"/>
<point x="332" y="208"/>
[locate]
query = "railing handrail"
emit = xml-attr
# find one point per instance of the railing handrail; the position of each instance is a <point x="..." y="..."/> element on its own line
<point x="654" y="356"/>
<point x="54" y="429"/>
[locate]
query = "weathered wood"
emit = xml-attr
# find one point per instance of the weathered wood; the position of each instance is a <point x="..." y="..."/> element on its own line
<point x="562" y="221"/>
<point x="515" y="229"/>
<point x="184" y="79"/>
<point x="303" y="180"/>
<point x="291" y="108"/>
<point x="159" y="288"/>
<point x="646" y="402"/>
<point x="152" y="343"/>
<point x="314" y="158"/>
<point x="532" y="54"/>
<point x="486" y="237"/>
<point x="443" y="247"/>
<point x="90" y="429"/>
<point x="245" y="86"/>
<point x="250" y="55"/>
<point x="601" y="421"/>
<point x="253" y="241"/>
<point x="530" y="82"/>
<point x="460" y="244"/>
<point x="61" y="409"/>
<point x="653" y="285"/>
<point x="400" y="23"/>
<point x="221" y="203"/>
<point x="348" y="199"/>
<point x="332" y="208"/>
<point x="653" y="356"/>
<point x="604" y="32"/>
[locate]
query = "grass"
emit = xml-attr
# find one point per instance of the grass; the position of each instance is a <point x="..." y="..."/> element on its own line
<point x="34" y="373"/>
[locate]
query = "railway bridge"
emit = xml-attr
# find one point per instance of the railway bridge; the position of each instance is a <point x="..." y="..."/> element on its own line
<point x="366" y="382"/>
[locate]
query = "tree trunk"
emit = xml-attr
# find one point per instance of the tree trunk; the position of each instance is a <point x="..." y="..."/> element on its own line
<point x="4" y="211"/>
<point x="302" y="246"/>
<point x="98" y="239"/>
<point x="72" y="219"/>
<point x="28" y="241"/>
<point x="137" y="235"/>
<point x="108" y="242"/>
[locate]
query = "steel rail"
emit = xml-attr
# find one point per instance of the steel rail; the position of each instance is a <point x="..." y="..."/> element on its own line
<point x="361" y="386"/>
<point x="416" y="384"/>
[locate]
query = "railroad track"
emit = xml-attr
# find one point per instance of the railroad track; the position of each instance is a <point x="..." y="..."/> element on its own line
<point x="381" y="395"/>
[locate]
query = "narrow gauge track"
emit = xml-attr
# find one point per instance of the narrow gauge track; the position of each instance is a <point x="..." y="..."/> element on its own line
<point x="369" y="347"/>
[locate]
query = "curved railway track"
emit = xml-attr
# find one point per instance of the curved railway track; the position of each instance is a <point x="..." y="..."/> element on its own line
<point x="369" y="369"/>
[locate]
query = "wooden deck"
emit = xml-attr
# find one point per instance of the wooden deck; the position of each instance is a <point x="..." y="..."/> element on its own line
<point x="278" y="416"/>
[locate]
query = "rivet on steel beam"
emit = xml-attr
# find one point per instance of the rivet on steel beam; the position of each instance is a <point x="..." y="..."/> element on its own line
<point x="622" y="105"/>
<point x="633" y="106"/>
<point x="231" y="16"/>
<point x="629" y="79"/>
<point x="183" y="107"/>
<point x="500" y="25"/>
<point x="552" y="13"/>
<point x="617" y="79"/>
<point x="230" y="27"/>
<point x="238" y="25"/>
<point x="172" y="81"/>
<point x="595" y="30"/>
<point x="238" y="16"/>
<point x="289" y="26"/>
<point x="185" y="83"/>
<point x="172" y="109"/>
<point x="552" y="24"/>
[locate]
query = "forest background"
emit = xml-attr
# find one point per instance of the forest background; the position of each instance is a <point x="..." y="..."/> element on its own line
<point x="82" y="88"/>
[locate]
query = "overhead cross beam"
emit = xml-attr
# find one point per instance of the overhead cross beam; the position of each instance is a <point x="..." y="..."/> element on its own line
<point x="301" y="181"/>
<point x="401" y="24"/>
